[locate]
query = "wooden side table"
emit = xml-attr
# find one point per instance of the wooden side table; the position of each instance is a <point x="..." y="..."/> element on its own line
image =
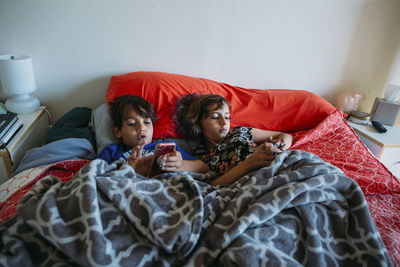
<point x="32" y="134"/>
<point x="384" y="146"/>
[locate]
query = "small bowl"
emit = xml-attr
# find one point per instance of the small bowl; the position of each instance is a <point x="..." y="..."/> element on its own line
<point x="359" y="117"/>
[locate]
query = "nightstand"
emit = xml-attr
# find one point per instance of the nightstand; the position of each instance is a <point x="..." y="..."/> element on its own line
<point x="384" y="146"/>
<point x="32" y="134"/>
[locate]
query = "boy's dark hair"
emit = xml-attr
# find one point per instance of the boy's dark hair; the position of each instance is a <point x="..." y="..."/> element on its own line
<point x="118" y="108"/>
<point x="191" y="108"/>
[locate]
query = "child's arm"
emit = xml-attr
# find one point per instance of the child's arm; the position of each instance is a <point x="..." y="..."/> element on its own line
<point x="263" y="136"/>
<point x="173" y="162"/>
<point x="261" y="157"/>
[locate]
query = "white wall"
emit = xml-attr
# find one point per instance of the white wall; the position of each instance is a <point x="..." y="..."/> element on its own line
<point x="325" y="46"/>
<point x="394" y="75"/>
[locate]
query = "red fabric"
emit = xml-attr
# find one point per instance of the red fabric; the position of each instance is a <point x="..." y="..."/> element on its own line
<point x="334" y="141"/>
<point x="385" y="210"/>
<point x="63" y="170"/>
<point x="278" y="110"/>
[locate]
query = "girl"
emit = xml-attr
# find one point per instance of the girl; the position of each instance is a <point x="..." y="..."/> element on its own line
<point x="231" y="153"/>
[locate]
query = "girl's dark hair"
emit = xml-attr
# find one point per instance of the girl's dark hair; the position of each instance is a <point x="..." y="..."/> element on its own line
<point x="118" y="108"/>
<point x="190" y="109"/>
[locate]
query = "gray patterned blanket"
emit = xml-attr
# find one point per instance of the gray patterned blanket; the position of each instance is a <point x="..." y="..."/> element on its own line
<point x="299" y="211"/>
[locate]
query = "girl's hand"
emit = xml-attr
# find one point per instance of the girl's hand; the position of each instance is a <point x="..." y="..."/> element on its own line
<point x="171" y="162"/>
<point x="285" y="140"/>
<point x="261" y="156"/>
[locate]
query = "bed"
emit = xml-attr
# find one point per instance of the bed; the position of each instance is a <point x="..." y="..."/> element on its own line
<point x="325" y="202"/>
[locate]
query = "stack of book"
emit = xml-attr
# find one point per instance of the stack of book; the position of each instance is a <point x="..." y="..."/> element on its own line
<point x="10" y="124"/>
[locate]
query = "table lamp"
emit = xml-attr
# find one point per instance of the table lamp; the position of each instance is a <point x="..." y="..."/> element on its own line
<point x="18" y="80"/>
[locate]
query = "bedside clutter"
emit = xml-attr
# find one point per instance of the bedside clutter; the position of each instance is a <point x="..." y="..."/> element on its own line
<point x="359" y="117"/>
<point x="10" y="124"/>
<point x="384" y="112"/>
<point x="384" y="146"/>
<point x="32" y="134"/>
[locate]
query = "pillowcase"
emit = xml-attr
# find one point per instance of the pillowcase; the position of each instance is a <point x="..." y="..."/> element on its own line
<point x="277" y="110"/>
<point x="73" y="124"/>
<point x="103" y="128"/>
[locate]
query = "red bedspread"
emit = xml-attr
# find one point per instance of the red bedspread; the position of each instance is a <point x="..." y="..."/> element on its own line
<point x="385" y="210"/>
<point x="16" y="187"/>
<point x="335" y="142"/>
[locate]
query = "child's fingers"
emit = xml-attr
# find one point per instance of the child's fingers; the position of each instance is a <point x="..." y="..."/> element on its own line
<point x="133" y="156"/>
<point x="269" y="140"/>
<point x="171" y="161"/>
<point x="136" y="152"/>
<point x="169" y="166"/>
<point x="262" y="146"/>
<point x="270" y="149"/>
<point x="174" y="156"/>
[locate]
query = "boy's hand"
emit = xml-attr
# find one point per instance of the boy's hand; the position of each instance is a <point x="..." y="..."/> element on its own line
<point x="172" y="161"/>
<point x="139" y="163"/>
<point x="136" y="154"/>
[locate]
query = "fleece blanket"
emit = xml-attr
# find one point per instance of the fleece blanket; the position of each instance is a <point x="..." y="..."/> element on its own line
<point x="298" y="211"/>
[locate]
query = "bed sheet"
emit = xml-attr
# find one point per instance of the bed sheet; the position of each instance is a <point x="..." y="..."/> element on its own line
<point x="385" y="210"/>
<point x="16" y="187"/>
<point x="335" y="142"/>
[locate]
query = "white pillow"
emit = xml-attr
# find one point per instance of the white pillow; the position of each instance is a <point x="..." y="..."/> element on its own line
<point x="103" y="128"/>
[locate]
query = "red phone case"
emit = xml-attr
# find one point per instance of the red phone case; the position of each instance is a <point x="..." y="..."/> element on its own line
<point x="160" y="150"/>
<point x="163" y="148"/>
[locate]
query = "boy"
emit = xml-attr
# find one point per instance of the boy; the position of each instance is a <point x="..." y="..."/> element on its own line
<point x="133" y="118"/>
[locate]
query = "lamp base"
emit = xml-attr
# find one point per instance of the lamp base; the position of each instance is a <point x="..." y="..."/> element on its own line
<point x="22" y="104"/>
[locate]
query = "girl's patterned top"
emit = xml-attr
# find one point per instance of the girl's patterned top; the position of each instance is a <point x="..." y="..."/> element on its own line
<point x="234" y="148"/>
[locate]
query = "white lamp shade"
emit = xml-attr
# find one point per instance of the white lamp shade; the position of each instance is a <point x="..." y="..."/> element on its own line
<point x="16" y="74"/>
<point x="18" y="80"/>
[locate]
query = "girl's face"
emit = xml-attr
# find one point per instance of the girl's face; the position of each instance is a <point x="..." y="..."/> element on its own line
<point x="135" y="129"/>
<point x="215" y="125"/>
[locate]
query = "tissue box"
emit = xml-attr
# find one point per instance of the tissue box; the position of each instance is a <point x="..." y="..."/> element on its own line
<point x="384" y="112"/>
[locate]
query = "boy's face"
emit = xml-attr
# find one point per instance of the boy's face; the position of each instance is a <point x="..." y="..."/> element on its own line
<point x="135" y="129"/>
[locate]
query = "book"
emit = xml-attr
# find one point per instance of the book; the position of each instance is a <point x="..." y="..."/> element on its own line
<point x="6" y="121"/>
<point x="11" y="133"/>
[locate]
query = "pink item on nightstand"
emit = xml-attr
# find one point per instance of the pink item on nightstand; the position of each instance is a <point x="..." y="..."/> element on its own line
<point x="348" y="102"/>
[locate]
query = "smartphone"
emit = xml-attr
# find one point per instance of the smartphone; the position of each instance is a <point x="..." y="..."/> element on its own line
<point x="160" y="150"/>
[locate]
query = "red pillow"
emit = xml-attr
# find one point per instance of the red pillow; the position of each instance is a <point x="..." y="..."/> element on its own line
<point x="277" y="110"/>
